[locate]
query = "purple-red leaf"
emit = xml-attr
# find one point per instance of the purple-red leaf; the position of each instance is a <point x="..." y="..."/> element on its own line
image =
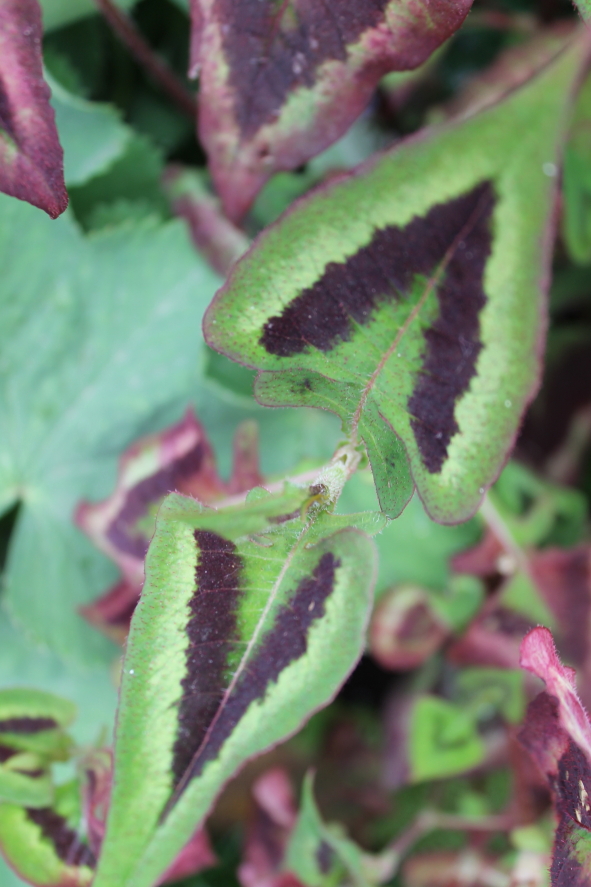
<point x="282" y="81"/>
<point x="220" y="241"/>
<point x="31" y="157"/>
<point x="538" y="655"/>
<point x="557" y="734"/>
<point x="405" y="629"/>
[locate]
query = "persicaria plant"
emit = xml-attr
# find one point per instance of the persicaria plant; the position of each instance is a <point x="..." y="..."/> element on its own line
<point x="295" y="451"/>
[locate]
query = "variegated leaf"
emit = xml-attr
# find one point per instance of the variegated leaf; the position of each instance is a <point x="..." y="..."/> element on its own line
<point x="178" y="459"/>
<point x="409" y="298"/>
<point x="250" y="619"/>
<point x="557" y="734"/>
<point x="279" y="82"/>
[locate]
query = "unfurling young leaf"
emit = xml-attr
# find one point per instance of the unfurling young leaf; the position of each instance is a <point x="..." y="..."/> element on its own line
<point x="31" y="737"/>
<point x="31" y="157"/>
<point x="250" y="619"/>
<point x="281" y="82"/>
<point x="43" y="847"/>
<point x="409" y="297"/>
<point x="557" y="733"/>
<point x="38" y="823"/>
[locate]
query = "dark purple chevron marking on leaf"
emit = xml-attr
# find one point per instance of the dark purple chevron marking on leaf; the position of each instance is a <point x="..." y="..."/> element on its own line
<point x="27" y="725"/>
<point x="384" y="270"/>
<point x="6" y="753"/>
<point x="68" y="846"/>
<point x="272" y="48"/>
<point x="453" y="342"/>
<point x="212" y="633"/>
<point x="147" y="492"/>
<point x="454" y="237"/>
<point x="325" y="857"/>
<point x="285" y="642"/>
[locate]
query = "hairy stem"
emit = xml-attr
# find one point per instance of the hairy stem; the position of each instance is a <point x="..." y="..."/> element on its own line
<point x="143" y="53"/>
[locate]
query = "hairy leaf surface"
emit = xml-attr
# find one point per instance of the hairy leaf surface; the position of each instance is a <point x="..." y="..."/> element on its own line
<point x="78" y="380"/>
<point x="180" y="458"/>
<point x="280" y="82"/>
<point x="250" y="619"/>
<point x="31" y="158"/>
<point x="557" y="734"/>
<point x="409" y="297"/>
<point x="44" y="848"/>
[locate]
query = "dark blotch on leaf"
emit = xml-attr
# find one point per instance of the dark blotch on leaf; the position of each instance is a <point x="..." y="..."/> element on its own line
<point x="212" y="632"/>
<point x="453" y="239"/>
<point x="453" y="342"/>
<point x="325" y="857"/>
<point x="286" y="641"/>
<point x="6" y="753"/>
<point x="66" y="842"/>
<point x="384" y="270"/>
<point x="274" y="48"/>
<point x="122" y="534"/>
<point x="27" y="725"/>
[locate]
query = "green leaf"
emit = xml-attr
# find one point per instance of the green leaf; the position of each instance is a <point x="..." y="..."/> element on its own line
<point x="79" y="379"/>
<point x="93" y="692"/>
<point x="250" y="619"/>
<point x="57" y="13"/>
<point x="321" y="855"/>
<point x="406" y="298"/>
<point x="488" y="690"/>
<point x="24" y="781"/>
<point x="576" y="219"/>
<point x="133" y="176"/>
<point x="34" y="721"/>
<point x="91" y="133"/>
<point x="443" y="740"/>
<point x="42" y="846"/>
<point x="584" y="7"/>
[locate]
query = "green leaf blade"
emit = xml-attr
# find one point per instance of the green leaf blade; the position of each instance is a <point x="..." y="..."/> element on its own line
<point x="411" y="291"/>
<point x="213" y="679"/>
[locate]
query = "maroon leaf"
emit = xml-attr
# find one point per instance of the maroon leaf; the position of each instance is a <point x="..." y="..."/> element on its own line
<point x="220" y="241"/>
<point x="31" y="157"/>
<point x="181" y="459"/>
<point x="557" y="734"/>
<point x="196" y="855"/>
<point x="282" y="81"/>
<point x="268" y="829"/>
